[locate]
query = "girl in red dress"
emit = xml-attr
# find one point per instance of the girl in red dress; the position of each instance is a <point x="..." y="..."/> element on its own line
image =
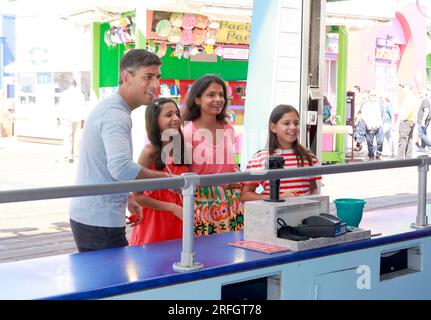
<point x="160" y="217"/>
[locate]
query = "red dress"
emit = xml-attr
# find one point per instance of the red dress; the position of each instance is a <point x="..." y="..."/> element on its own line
<point x="159" y="225"/>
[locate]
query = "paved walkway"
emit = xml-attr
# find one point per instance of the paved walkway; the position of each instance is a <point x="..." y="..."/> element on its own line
<point x="41" y="228"/>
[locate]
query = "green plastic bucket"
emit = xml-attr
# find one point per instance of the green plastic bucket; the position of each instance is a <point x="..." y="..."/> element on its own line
<point x="350" y="210"/>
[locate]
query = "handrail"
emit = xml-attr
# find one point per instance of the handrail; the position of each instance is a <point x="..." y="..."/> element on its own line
<point x="188" y="182"/>
<point x="31" y="194"/>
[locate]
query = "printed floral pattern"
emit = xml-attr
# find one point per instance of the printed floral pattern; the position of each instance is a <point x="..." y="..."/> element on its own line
<point x="217" y="210"/>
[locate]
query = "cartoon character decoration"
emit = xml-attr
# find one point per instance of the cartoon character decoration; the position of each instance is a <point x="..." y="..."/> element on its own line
<point x="176" y="19"/>
<point x="175" y="35"/>
<point x="189" y="21"/>
<point x="120" y="31"/>
<point x="186" y="37"/>
<point x="163" y="28"/>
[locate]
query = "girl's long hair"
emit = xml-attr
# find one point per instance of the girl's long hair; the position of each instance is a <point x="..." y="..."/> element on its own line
<point x="192" y="110"/>
<point x="302" y="153"/>
<point x="153" y="131"/>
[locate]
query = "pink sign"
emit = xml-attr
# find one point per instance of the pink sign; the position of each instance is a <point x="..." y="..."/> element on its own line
<point x="258" y="246"/>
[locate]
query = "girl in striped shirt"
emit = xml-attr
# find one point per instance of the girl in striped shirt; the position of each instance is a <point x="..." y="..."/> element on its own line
<point x="283" y="141"/>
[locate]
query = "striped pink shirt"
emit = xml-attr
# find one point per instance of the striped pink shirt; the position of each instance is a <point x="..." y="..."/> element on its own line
<point x="301" y="185"/>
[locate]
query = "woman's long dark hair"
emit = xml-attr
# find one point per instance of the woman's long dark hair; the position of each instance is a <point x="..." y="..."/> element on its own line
<point x="300" y="151"/>
<point x="192" y="110"/>
<point x="153" y="131"/>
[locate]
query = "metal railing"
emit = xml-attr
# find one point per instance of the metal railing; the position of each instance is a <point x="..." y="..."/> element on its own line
<point x="189" y="181"/>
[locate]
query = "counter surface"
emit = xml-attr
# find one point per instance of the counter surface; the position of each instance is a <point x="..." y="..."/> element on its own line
<point x="111" y="272"/>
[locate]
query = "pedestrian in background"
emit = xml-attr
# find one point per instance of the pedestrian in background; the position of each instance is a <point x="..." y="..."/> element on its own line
<point x="388" y="124"/>
<point x="372" y="113"/>
<point x="423" y="121"/>
<point x="407" y="122"/>
<point x="72" y="104"/>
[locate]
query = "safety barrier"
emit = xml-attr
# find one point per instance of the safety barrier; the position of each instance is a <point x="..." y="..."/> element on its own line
<point x="189" y="181"/>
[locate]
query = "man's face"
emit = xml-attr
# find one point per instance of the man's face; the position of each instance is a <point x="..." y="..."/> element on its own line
<point x="142" y="84"/>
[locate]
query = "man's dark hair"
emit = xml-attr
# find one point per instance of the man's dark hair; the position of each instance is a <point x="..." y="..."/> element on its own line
<point x="138" y="58"/>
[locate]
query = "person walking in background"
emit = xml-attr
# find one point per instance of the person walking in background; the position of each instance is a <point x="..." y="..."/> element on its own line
<point x="99" y="222"/>
<point x="327" y="111"/>
<point x="72" y="104"/>
<point x="388" y="124"/>
<point x="372" y="113"/>
<point x="407" y="122"/>
<point x="210" y="138"/>
<point x="283" y="141"/>
<point x="423" y="121"/>
<point x="161" y="217"/>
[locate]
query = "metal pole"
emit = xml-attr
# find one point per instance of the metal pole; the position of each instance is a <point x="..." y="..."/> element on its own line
<point x="188" y="262"/>
<point x="421" y="218"/>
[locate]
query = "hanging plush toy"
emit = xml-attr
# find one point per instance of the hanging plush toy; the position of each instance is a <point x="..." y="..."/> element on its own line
<point x="186" y="54"/>
<point x="162" y="50"/>
<point x="202" y="22"/>
<point x="163" y="28"/>
<point x="186" y="37"/>
<point x="189" y="21"/>
<point x="219" y="51"/>
<point x="198" y="36"/>
<point x="151" y="46"/>
<point x="176" y="19"/>
<point x="209" y="49"/>
<point x="179" y="50"/>
<point x="211" y="36"/>
<point x="214" y="24"/>
<point x="175" y="35"/>
<point x="107" y="39"/>
<point x="193" y="50"/>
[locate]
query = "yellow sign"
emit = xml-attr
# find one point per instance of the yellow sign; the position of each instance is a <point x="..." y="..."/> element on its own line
<point x="234" y="32"/>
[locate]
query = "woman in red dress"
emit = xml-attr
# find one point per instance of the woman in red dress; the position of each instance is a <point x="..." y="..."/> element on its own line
<point x="160" y="216"/>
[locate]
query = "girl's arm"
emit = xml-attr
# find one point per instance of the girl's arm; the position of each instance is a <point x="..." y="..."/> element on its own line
<point x="137" y="200"/>
<point x="151" y="203"/>
<point x="248" y="193"/>
<point x="314" y="187"/>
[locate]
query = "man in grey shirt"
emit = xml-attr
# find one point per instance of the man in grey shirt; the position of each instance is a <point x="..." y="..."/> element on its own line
<point x="98" y="222"/>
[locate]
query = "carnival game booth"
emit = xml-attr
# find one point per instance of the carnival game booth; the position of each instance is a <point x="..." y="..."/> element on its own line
<point x="190" y="45"/>
<point x="388" y="258"/>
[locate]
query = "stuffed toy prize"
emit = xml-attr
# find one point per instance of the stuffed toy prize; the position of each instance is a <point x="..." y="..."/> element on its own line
<point x="175" y="35"/>
<point x="163" y="28"/>
<point x="189" y="21"/>
<point x="176" y="19"/>
<point x="186" y="37"/>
